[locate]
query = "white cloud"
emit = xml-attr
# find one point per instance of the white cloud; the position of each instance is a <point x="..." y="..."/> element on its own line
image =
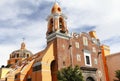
<point x="5" y="51"/>
<point x="104" y="14"/>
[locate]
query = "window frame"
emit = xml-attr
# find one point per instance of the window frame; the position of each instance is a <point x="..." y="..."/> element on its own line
<point x="87" y="54"/>
<point x="78" y="56"/>
<point x="85" y="41"/>
<point x="77" y="45"/>
<point x="95" y="61"/>
<point x="93" y="49"/>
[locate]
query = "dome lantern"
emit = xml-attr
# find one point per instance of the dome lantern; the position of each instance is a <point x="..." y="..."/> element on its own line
<point x="22" y="45"/>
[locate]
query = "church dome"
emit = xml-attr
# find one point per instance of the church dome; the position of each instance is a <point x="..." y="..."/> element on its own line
<point x="21" y="53"/>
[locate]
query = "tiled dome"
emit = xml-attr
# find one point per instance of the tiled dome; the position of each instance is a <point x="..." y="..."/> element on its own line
<point x="21" y="53"/>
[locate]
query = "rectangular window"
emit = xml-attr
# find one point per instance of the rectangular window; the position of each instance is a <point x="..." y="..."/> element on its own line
<point x="87" y="58"/>
<point x="78" y="57"/>
<point x="94" y="49"/>
<point x="77" y="44"/>
<point x="95" y="61"/>
<point x="85" y="41"/>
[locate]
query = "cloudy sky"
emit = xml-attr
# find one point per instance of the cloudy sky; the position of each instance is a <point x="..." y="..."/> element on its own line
<point x="27" y="18"/>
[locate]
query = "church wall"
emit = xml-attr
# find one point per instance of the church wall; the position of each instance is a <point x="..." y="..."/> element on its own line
<point x="3" y="72"/>
<point x="37" y="76"/>
<point x="63" y="52"/>
<point x="46" y="62"/>
<point x="113" y="64"/>
<point x="95" y="61"/>
<point x="80" y="50"/>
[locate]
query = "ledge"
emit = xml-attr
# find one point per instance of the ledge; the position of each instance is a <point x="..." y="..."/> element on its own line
<point x="88" y="68"/>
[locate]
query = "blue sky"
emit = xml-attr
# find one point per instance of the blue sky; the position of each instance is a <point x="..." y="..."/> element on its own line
<point x="27" y="18"/>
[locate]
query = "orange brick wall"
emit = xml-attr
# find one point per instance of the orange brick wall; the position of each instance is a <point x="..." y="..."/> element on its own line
<point x="113" y="64"/>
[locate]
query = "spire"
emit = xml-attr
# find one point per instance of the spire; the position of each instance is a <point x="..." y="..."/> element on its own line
<point x="23" y="44"/>
<point x="56" y="8"/>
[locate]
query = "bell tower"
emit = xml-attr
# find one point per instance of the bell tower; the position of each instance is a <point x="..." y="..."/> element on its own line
<point x="56" y="22"/>
<point x="57" y="34"/>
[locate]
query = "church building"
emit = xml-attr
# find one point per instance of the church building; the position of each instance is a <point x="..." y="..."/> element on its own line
<point x="63" y="49"/>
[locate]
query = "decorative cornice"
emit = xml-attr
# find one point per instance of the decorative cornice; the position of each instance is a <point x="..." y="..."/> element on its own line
<point x="57" y="34"/>
<point x="88" y="68"/>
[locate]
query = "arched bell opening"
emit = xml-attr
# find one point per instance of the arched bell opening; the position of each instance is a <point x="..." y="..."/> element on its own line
<point x="50" y="26"/>
<point x="62" y="25"/>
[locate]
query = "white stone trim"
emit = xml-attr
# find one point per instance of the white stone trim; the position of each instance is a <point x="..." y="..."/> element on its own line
<point x="89" y="55"/>
<point x="46" y="70"/>
<point x="57" y="34"/>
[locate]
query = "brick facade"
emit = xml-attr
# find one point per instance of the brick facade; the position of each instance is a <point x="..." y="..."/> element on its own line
<point x="113" y="64"/>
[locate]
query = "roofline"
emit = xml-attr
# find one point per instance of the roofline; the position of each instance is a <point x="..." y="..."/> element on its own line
<point x="113" y="54"/>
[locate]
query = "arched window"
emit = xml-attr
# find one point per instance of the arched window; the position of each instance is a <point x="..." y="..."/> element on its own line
<point x="90" y="79"/>
<point x="27" y="55"/>
<point x="13" y="56"/>
<point x="50" y="26"/>
<point x="53" y="71"/>
<point x="60" y="23"/>
<point x="51" y="21"/>
<point x="17" y="55"/>
<point x="24" y="55"/>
